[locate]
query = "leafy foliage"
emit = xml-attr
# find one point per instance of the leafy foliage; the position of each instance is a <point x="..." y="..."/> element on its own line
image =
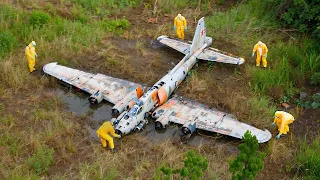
<point x="7" y="43"/>
<point x="250" y="161"/>
<point x="38" y="18"/>
<point x="303" y="15"/>
<point x="314" y="103"/>
<point x="308" y="159"/>
<point x="41" y="160"/>
<point x="116" y="26"/>
<point x="194" y="167"/>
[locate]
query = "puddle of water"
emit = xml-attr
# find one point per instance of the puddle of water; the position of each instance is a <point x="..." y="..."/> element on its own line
<point x="78" y="103"/>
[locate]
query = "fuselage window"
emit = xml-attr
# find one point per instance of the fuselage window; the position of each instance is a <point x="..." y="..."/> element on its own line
<point x="140" y="110"/>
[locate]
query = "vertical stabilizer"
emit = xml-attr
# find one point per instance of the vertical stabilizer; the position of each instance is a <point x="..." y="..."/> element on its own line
<point x="199" y="36"/>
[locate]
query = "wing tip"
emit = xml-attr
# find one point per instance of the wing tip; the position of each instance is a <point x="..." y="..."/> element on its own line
<point x="162" y="37"/>
<point x="263" y="137"/>
<point x="241" y="61"/>
<point x="48" y="67"/>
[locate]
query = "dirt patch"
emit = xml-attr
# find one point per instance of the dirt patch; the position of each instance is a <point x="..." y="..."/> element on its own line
<point x="308" y="124"/>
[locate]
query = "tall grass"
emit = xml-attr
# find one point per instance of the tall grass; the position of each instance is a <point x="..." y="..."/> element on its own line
<point x="104" y="7"/>
<point x="308" y="159"/>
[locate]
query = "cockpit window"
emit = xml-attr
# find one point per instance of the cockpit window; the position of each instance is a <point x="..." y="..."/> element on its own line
<point x="133" y="111"/>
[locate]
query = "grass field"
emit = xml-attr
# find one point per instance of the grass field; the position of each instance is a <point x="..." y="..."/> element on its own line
<point x="40" y="139"/>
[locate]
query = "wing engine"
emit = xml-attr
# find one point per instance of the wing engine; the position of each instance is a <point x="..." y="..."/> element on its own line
<point x="193" y="115"/>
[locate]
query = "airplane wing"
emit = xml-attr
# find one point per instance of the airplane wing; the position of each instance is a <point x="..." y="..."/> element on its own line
<point x="181" y="110"/>
<point x="212" y="54"/>
<point x="113" y="89"/>
<point x="175" y="44"/>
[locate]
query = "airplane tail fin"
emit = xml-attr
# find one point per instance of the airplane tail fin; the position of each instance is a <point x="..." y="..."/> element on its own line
<point x="199" y="36"/>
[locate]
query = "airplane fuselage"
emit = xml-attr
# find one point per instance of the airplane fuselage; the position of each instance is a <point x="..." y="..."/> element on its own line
<point x="136" y="117"/>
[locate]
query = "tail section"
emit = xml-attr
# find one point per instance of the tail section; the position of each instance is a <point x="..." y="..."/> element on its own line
<point x="199" y="36"/>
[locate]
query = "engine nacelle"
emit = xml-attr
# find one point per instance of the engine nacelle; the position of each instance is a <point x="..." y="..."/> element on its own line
<point x="96" y="98"/>
<point x="127" y="102"/>
<point x="162" y="122"/>
<point x="156" y="114"/>
<point x="189" y="127"/>
<point x="140" y="125"/>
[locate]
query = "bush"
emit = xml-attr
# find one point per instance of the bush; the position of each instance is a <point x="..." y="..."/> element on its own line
<point x="300" y="14"/>
<point x="41" y="160"/>
<point x="7" y="43"/>
<point x="194" y="167"/>
<point x="313" y="103"/>
<point x="308" y="159"/>
<point x="116" y="26"/>
<point x="250" y="161"/>
<point x="38" y="18"/>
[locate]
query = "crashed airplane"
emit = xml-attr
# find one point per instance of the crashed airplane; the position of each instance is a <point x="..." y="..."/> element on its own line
<point x="133" y="106"/>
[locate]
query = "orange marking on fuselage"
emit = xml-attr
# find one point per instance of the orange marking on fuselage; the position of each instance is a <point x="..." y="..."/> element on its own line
<point x="139" y="91"/>
<point x="154" y="96"/>
<point x="162" y="96"/>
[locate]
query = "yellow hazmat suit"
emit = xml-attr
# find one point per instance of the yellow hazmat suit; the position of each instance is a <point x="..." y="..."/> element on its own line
<point x="104" y="136"/>
<point x="282" y="119"/>
<point x="262" y="52"/>
<point x="31" y="55"/>
<point x="180" y="24"/>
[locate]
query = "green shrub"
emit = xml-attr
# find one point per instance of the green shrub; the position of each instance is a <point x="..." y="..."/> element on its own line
<point x="250" y="161"/>
<point x="194" y="167"/>
<point x="300" y="14"/>
<point x="312" y="103"/>
<point x="7" y="43"/>
<point x="38" y="18"/>
<point x="308" y="159"/>
<point x="41" y="160"/>
<point x="116" y="26"/>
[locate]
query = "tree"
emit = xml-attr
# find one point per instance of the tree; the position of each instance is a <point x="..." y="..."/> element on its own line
<point x="194" y="167"/>
<point x="250" y="161"/>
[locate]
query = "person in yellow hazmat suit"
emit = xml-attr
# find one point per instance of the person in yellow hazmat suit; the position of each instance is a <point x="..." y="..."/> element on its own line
<point x="180" y="24"/>
<point x="31" y="55"/>
<point x="262" y="52"/>
<point x="103" y="133"/>
<point x="282" y="119"/>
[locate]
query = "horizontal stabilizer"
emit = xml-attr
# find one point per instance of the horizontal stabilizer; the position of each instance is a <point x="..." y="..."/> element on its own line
<point x="212" y="54"/>
<point x="175" y="44"/>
